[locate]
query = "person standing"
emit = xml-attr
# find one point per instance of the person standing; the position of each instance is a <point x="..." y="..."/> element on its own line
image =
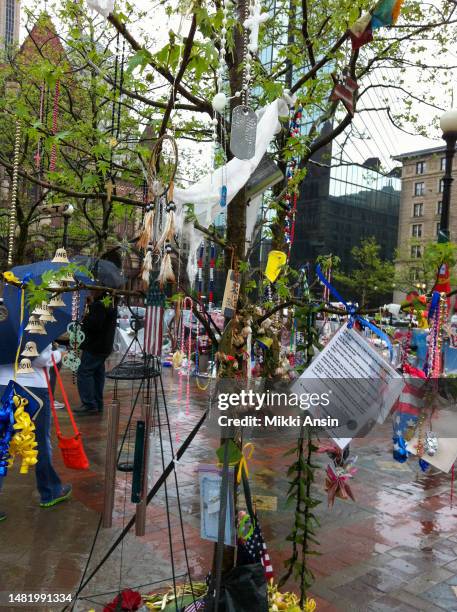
<point x="49" y="485"/>
<point x="99" y="327"/>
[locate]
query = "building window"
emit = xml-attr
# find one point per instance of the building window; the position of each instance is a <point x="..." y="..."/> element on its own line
<point x="420" y="167"/>
<point x="9" y="23"/>
<point x="438" y="229"/>
<point x="414" y="274"/>
<point x="418" y="210"/>
<point x="416" y="230"/>
<point x="441" y="186"/>
<point x="419" y="189"/>
<point x="443" y="164"/>
<point x="439" y="207"/>
<point x="416" y="251"/>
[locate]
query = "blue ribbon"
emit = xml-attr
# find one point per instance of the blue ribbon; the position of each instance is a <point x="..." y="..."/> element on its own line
<point x="434" y="304"/>
<point x="400" y="453"/>
<point x="7" y="410"/>
<point x="352" y="312"/>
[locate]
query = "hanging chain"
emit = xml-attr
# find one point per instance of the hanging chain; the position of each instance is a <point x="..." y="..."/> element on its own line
<point x="14" y="187"/>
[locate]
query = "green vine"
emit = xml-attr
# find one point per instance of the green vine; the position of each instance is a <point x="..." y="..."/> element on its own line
<point x="303" y="534"/>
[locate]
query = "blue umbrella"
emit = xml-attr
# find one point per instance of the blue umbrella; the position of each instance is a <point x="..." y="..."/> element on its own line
<point x="10" y="325"/>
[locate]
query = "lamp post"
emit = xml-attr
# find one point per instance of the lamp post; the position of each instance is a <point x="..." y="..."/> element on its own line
<point x="448" y="124"/>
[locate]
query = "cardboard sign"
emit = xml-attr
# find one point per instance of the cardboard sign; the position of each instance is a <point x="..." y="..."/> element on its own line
<point x="265" y="502"/>
<point x="231" y="294"/>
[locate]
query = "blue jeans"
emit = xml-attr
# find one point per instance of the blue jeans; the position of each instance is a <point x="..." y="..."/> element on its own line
<point x="91" y="380"/>
<point x="48" y="482"/>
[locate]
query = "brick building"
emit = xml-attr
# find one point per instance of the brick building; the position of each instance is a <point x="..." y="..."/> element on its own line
<point x="420" y="203"/>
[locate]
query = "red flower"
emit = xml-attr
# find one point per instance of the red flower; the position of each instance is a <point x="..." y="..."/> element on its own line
<point x="230" y="358"/>
<point x="130" y="601"/>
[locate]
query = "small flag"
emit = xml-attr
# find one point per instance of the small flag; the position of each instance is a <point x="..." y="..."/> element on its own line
<point x="254" y="550"/>
<point x="153" y="322"/>
<point x="344" y="91"/>
<point x="195" y="606"/>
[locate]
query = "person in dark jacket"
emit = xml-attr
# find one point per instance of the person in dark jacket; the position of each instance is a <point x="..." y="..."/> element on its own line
<point x="99" y="327"/>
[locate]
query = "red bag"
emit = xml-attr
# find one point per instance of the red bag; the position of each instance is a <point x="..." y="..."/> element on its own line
<point x="72" y="449"/>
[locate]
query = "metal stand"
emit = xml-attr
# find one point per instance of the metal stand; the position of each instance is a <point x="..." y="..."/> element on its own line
<point x="144" y="372"/>
<point x="111" y="462"/>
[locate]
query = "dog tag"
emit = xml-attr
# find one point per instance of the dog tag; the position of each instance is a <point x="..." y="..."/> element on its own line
<point x="243" y="132"/>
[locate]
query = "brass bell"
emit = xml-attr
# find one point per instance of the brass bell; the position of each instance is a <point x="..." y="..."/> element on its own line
<point x="25" y="367"/>
<point x="60" y="256"/>
<point x="30" y="349"/>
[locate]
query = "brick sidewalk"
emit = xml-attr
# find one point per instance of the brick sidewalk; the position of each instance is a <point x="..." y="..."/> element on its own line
<point x="394" y="549"/>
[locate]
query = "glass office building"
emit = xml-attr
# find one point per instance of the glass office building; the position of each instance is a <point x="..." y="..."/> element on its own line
<point x="340" y="206"/>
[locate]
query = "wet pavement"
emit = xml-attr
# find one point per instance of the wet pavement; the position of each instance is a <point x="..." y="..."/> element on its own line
<point x="395" y="548"/>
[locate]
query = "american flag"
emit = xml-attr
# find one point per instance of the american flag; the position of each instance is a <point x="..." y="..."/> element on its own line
<point x="195" y="606"/>
<point x="254" y="550"/>
<point x="406" y="412"/>
<point x="153" y="321"/>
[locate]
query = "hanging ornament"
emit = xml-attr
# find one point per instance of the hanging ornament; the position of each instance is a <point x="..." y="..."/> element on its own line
<point x="30" y="349"/>
<point x="344" y="89"/>
<point x="14" y="186"/>
<point x="244" y="120"/>
<point x="148" y="224"/>
<point x="60" y="256"/>
<point x="76" y="337"/>
<point x="25" y="367"/>
<point x="169" y="230"/>
<point x="55" y="115"/>
<point x="35" y="326"/>
<point x="166" y="274"/>
<point x="220" y="102"/>
<point x="252" y="23"/>
<point x="275" y="262"/>
<point x="147" y="265"/>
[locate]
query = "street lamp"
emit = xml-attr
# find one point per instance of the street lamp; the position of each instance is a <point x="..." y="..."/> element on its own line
<point x="448" y="124"/>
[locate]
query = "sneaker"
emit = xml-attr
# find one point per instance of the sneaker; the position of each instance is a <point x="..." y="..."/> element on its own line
<point x="2" y="516"/>
<point x="84" y="410"/>
<point x="59" y="405"/>
<point x="65" y="494"/>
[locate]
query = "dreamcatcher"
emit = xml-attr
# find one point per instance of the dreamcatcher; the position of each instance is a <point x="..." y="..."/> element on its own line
<point x="159" y="224"/>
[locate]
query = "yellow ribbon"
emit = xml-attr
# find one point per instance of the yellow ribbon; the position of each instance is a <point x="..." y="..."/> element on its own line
<point x="23" y="443"/>
<point x="16" y="361"/>
<point x="246" y="454"/>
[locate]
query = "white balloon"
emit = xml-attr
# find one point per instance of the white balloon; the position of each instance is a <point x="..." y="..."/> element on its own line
<point x="219" y="102"/>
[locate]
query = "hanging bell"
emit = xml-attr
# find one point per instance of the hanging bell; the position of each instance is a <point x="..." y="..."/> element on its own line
<point x="25" y="367"/>
<point x="60" y="256"/>
<point x="54" y="284"/>
<point x="30" y="350"/>
<point x="46" y="316"/>
<point x="38" y="311"/>
<point x="56" y="301"/>
<point x="68" y="278"/>
<point x="35" y="326"/>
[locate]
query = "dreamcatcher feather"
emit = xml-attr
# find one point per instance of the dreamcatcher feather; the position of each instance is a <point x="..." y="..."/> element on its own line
<point x="160" y="174"/>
